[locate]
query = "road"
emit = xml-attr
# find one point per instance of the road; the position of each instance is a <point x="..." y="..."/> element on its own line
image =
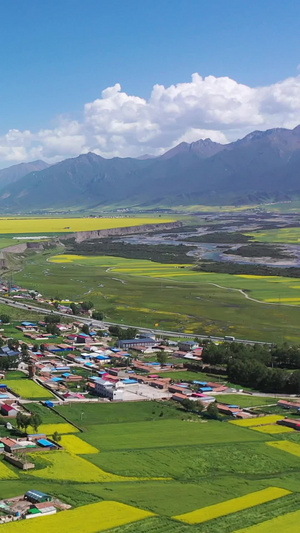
<point x="100" y="324"/>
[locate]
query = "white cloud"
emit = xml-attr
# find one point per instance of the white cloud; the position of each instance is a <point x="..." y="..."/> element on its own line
<point x="118" y="124"/>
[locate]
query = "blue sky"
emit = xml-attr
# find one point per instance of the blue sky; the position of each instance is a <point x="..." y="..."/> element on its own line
<point x="57" y="56"/>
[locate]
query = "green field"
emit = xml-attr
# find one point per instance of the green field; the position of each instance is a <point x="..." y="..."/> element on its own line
<point x="144" y="293"/>
<point x="284" y="235"/>
<point x="243" y="400"/>
<point x="112" y="413"/>
<point x="162" y="433"/>
<point x="205" y="463"/>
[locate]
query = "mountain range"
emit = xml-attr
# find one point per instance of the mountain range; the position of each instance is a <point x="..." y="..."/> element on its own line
<point x="263" y="166"/>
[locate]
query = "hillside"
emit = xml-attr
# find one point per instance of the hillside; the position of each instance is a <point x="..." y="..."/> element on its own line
<point x="11" y="174"/>
<point x="262" y="166"/>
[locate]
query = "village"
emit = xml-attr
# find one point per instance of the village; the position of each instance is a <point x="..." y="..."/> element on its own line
<point x="63" y="361"/>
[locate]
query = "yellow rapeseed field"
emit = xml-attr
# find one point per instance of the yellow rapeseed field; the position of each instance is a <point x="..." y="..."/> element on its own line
<point x="286" y="446"/>
<point x="49" y="429"/>
<point x="257" y="421"/>
<point x="69" y="225"/>
<point x="76" y="445"/>
<point x="232" y="506"/>
<point x="273" y="429"/>
<point x="91" y="518"/>
<point x="287" y="523"/>
<point x="286" y="300"/>
<point x="6" y="472"/>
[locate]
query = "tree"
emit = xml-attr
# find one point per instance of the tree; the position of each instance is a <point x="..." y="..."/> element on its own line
<point x="162" y="358"/>
<point x="199" y="407"/>
<point x="52" y="319"/>
<point x="115" y="331"/>
<point x="20" y="420"/>
<point x="56" y="437"/>
<point x="23" y="420"/>
<point x="9" y="362"/>
<point x="13" y="344"/>
<point x="24" y="348"/>
<point x="5" y="319"/>
<point x="86" y="306"/>
<point x="42" y="348"/>
<point x="52" y="329"/>
<point x="212" y="411"/>
<point x="85" y="329"/>
<point x="131" y="333"/>
<point x="97" y="315"/>
<point x="35" y="421"/>
<point x="35" y="348"/>
<point x="189" y="405"/>
<point x="75" y="309"/>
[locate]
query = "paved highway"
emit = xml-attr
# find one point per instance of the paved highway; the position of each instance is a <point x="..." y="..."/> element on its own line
<point x="148" y="331"/>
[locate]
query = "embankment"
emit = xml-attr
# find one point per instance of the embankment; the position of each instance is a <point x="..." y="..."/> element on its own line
<point x="115" y="232"/>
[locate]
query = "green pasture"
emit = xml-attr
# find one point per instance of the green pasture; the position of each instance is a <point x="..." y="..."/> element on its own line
<point x="161" y="433"/>
<point x="17" y="315"/>
<point x="90" y="414"/>
<point x="48" y="416"/>
<point x="143" y="293"/>
<point x="198" y="462"/>
<point x="243" y="400"/>
<point x="284" y="235"/>
<point x="14" y="374"/>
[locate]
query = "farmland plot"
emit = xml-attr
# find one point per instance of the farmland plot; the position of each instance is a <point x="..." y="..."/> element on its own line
<point x="232" y="506"/>
<point x="95" y="517"/>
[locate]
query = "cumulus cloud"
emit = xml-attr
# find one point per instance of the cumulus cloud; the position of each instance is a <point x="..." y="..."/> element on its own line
<point x="118" y="124"/>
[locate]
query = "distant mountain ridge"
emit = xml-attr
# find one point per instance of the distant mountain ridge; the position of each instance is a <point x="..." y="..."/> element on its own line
<point x="11" y="174"/>
<point x="263" y="166"/>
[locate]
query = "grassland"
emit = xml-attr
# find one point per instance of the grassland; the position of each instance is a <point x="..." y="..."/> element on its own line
<point x="163" y="433"/>
<point x="45" y="226"/>
<point x="282" y="235"/>
<point x="115" y="413"/>
<point x="243" y="400"/>
<point x="144" y="293"/>
<point x="263" y="288"/>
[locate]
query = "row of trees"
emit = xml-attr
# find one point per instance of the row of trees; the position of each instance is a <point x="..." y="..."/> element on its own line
<point x="23" y="421"/>
<point x="256" y="375"/>
<point x="197" y="407"/>
<point x="123" y="333"/>
<point x="261" y="367"/>
<point x="283" y="356"/>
